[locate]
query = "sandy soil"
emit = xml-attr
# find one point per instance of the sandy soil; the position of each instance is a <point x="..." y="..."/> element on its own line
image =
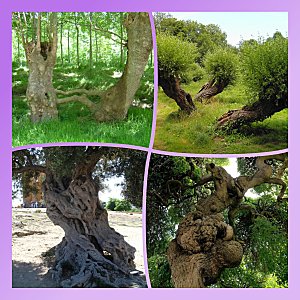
<point x="34" y="234"/>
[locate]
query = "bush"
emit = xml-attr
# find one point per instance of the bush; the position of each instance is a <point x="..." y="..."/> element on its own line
<point x="123" y="205"/>
<point x="194" y="73"/>
<point x="265" y="68"/>
<point x="159" y="271"/>
<point x="175" y="56"/>
<point x="111" y="204"/>
<point x="118" y="205"/>
<point x="222" y="66"/>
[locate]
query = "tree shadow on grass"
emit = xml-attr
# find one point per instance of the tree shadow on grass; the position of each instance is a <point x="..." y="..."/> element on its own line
<point x="30" y="275"/>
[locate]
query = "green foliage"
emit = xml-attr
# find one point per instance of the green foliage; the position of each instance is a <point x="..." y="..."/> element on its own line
<point x="118" y="205"/>
<point x="193" y="73"/>
<point x="269" y="246"/>
<point x="265" y="261"/>
<point x="221" y="66"/>
<point x="159" y="271"/>
<point x="175" y="56"/>
<point x="205" y="37"/>
<point x="265" y="68"/>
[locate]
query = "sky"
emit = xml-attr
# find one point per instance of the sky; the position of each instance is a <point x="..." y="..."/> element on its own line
<point x="113" y="189"/>
<point x="241" y="25"/>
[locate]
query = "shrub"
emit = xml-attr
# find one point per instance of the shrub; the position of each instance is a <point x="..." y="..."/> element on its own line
<point x="265" y="68"/>
<point x="111" y="204"/>
<point x="175" y="56"/>
<point x="118" y="205"/>
<point x="222" y="66"/>
<point x="123" y="205"/>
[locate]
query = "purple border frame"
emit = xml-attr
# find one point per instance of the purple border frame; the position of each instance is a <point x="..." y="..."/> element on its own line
<point x="7" y="7"/>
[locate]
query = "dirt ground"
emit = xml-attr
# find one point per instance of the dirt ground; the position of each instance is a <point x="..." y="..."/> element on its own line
<point x="34" y="234"/>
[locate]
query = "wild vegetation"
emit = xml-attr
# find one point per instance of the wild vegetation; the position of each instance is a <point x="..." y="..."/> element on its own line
<point x="76" y="71"/>
<point x="205" y="230"/>
<point x="224" y="94"/>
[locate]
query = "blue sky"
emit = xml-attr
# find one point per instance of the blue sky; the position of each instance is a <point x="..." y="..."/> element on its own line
<point x="241" y="25"/>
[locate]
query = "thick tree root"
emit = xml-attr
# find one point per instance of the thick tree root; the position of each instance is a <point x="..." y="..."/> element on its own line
<point x="83" y="266"/>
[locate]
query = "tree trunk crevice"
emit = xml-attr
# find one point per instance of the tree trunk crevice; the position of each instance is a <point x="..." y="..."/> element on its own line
<point x="204" y="243"/>
<point x="91" y="254"/>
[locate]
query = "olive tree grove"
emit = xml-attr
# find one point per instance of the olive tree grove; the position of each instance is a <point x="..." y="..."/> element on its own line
<point x="91" y="254"/>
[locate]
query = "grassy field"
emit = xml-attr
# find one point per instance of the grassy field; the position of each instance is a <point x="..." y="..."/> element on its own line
<point x="196" y="133"/>
<point x="75" y="122"/>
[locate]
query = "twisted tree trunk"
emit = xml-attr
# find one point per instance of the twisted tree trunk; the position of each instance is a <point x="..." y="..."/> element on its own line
<point x="171" y="87"/>
<point x="204" y="243"/>
<point x="210" y="89"/>
<point x="41" y="58"/>
<point x="116" y="101"/>
<point x="258" y="111"/>
<point x="91" y="254"/>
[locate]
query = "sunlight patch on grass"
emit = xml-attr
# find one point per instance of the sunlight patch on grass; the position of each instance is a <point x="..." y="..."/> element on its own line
<point x="196" y="133"/>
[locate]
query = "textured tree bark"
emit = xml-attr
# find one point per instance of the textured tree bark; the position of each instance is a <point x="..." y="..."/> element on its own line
<point x="41" y="58"/>
<point x="116" y="101"/>
<point x="91" y="254"/>
<point x="171" y="87"/>
<point x="204" y="243"/>
<point x="208" y="90"/>
<point x="258" y="111"/>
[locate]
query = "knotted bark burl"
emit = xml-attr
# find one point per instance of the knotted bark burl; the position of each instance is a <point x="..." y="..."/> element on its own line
<point x="204" y="243"/>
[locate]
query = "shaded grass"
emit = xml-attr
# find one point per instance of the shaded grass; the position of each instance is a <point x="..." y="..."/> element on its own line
<point x="75" y="122"/>
<point x="196" y="133"/>
<point x="76" y="125"/>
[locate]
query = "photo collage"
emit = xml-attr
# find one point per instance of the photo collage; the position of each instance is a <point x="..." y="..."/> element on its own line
<point x="150" y="150"/>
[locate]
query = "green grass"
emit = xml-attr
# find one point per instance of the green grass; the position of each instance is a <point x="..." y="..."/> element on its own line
<point x="196" y="133"/>
<point x="75" y="122"/>
<point x="77" y="125"/>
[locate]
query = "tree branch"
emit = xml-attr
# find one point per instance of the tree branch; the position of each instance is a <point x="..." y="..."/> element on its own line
<point x="80" y="91"/>
<point x="83" y="99"/>
<point x="38" y="33"/>
<point x="35" y="168"/>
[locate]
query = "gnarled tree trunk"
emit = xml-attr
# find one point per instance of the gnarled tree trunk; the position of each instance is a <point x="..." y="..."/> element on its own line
<point x="116" y="101"/>
<point x="258" y="111"/>
<point x="171" y="87"/>
<point x="209" y="89"/>
<point x="91" y="254"/>
<point x="41" y="58"/>
<point x="204" y="243"/>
